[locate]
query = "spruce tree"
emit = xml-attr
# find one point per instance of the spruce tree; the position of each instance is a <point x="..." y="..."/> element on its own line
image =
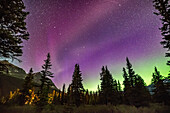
<point x="87" y="97"/>
<point x="131" y="73"/>
<point x="69" y="95"/>
<point x="77" y="86"/>
<point x="108" y="87"/>
<point x="127" y="89"/>
<point x="163" y="10"/>
<point x="63" y="95"/>
<point x="45" y="82"/>
<point x="99" y="95"/>
<point x="12" y="28"/>
<point x="59" y="97"/>
<point x="141" y="93"/>
<point x="131" y="79"/>
<point x="156" y="76"/>
<point x="160" y="93"/>
<point x="119" y="86"/>
<point x="135" y="92"/>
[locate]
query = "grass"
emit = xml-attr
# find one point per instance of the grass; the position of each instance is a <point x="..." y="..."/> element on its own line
<point x="153" y="108"/>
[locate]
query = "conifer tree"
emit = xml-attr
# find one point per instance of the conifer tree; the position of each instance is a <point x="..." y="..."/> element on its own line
<point x="58" y="98"/>
<point x="131" y="73"/>
<point x="160" y="93"/>
<point x="108" y="88"/>
<point x="69" y="95"/>
<point x="77" y="86"/>
<point x="156" y="77"/>
<point x="141" y="94"/>
<point x="87" y="97"/>
<point x="135" y="92"/>
<point x="12" y="28"/>
<point x="163" y="10"/>
<point x="126" y="84"/>
<point x="119" y="86"/>
<point x="63" y="95"/>
<point x="45" y="82"/>
<point x="99" y="95"/>
<point x="131" y="79"/>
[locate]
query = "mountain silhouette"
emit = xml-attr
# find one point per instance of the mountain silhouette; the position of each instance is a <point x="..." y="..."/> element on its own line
<point x="12" y="77"/>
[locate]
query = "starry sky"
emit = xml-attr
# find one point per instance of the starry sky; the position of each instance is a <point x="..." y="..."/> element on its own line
<point x="93" y="33"/>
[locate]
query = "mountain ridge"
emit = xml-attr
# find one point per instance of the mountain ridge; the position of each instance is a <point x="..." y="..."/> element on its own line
<point x="12" y="77"/>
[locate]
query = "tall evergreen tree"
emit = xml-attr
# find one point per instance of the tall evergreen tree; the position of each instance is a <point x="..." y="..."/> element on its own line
<point x="59" y="97"/>
<point x="45" y="82"/>
<point x="119" y="86"/>
<point x="126" y="84"/>
<point x="63" y="95"/>
<point x="135" y="92"/>
<point x="131" y="73"/>
<point x="163" y="10"/>
<point x="46" y="74"/>
<point x="68" y="95"/>
<point x="12" y="28"/>
<point x="156" y="76"/>
<point x="108" y="88"/>
<point x="160" y="93"/>
<point x="87" y="97"/>
<point x="99" y="95"/>
<point x="141" y="94"/>
<point x="131" y="80"/>
<point x="77" y="86"/>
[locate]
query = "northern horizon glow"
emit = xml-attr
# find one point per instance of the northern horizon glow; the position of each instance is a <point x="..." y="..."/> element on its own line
<point x="93" y="33"/>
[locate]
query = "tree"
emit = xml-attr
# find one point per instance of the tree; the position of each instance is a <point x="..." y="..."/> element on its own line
<point x="142" y="95"/>
<point x="156" y="77"/>
<point x="58" y="98"/>
<point x="160" y="93"/>
<point x="108" y="87"/>
<point x="130" y="72"/>
<point x="163" y="10"/>
<point x="12" y="28"/>
<point x="63" y="95"/>
<point x="46" y="74"/>
<point x="130" y="92"/>
<point x="45" y="82"/>
<point x="119" y="86"/>
<point x="135" y="92"/>
<point x="87" y="97"/>
<point x="28" y="85"/>
<point x="77" y="86"/>
<point x="126" y="84"/>
<point x="69" y="95"/>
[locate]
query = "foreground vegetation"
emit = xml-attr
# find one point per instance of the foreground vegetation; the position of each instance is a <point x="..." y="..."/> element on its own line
<point x="153" y="108"/>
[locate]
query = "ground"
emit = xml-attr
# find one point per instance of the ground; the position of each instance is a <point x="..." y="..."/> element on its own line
<point x="153" y="108"/>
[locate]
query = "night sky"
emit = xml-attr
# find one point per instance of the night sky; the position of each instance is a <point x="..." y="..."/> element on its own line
<point x="93" y="33"/>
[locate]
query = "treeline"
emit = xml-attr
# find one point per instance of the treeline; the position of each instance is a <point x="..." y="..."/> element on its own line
<point x="109" y="91"/>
